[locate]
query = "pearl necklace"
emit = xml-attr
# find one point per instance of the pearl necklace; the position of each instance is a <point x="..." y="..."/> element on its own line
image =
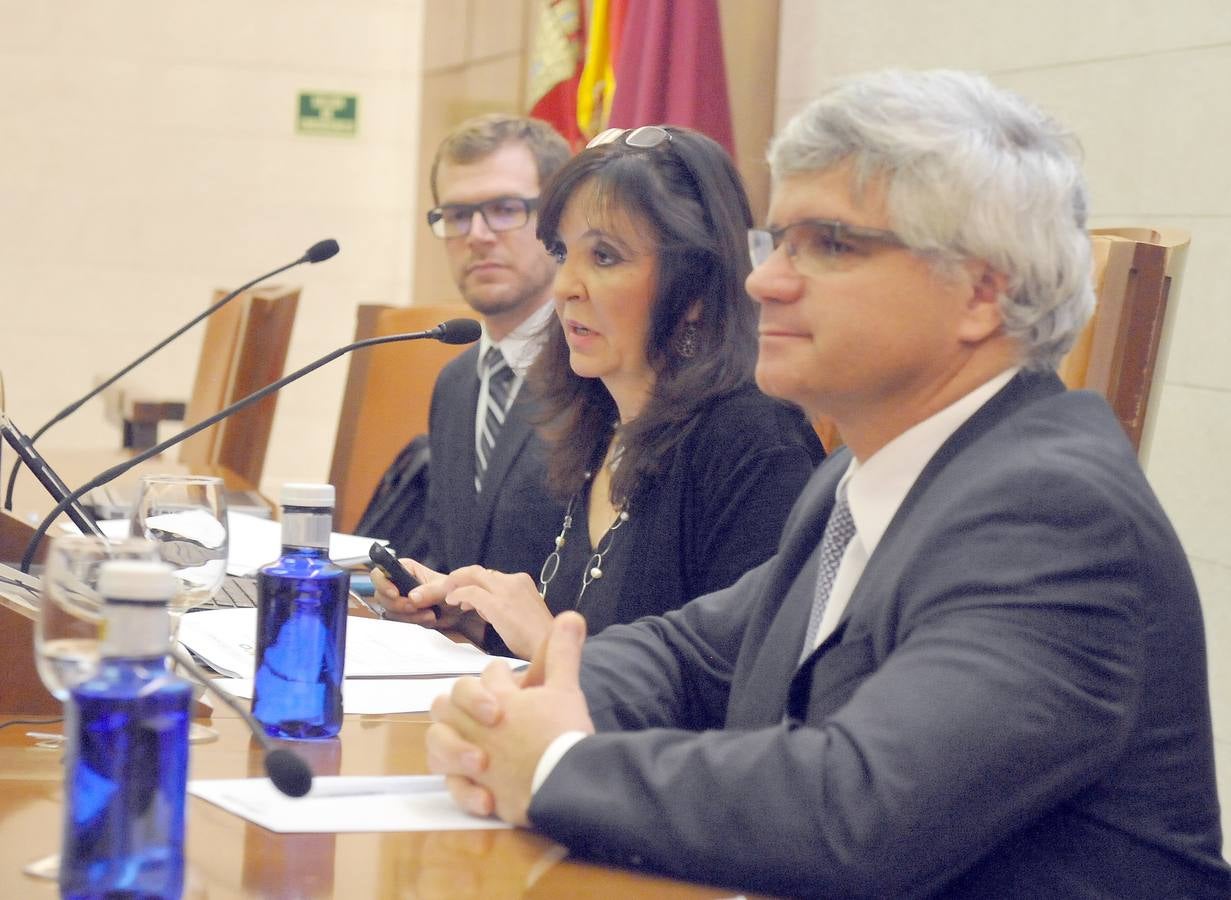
<point x="594" y="568"/>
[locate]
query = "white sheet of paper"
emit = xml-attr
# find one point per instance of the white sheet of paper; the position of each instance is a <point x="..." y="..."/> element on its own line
<point x="368" y="696"/>
<point x="256" y="541"/>
<point x="340" y="803"/>
<point x="115" y="529"/>
<point x="20" y="589"/>
<point x="375" y="648"/>
<point x="253" y="541"/>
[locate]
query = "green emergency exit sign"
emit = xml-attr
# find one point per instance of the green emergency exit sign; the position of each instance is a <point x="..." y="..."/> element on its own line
<point x="327" y="113"/>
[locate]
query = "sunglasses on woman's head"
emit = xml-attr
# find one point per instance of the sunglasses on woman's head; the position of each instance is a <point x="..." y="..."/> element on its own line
<point x="644" y="138"/>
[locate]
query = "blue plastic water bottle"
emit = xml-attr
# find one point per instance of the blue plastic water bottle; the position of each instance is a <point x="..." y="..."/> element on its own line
<point x="127" y="765"/>
<point x="301" y="623"/>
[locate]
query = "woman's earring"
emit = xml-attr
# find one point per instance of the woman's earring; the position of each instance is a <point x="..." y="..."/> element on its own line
<point x="688" y="341"/>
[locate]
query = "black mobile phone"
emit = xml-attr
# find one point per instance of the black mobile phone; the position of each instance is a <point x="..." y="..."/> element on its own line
<point x="387" y="563"/>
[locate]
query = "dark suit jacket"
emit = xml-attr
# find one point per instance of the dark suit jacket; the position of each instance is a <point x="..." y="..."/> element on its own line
<point x="512" y="523"/>
<point x="1014" y="703"/>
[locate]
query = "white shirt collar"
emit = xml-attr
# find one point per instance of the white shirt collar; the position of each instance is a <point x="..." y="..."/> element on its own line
<point x="521" y="345"/>
<point x="876" y="488"/>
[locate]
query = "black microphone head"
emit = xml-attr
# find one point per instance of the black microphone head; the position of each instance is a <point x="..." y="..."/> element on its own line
<point x="321" y="251"/>
<point x="289" y="773"/>
<point x="458" y="331"/>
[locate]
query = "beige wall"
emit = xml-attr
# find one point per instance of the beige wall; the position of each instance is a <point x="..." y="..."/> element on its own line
<point x="1144" y="84"/>
<point x="474" y="62"/>
<point x="150" y="156"/>
<point x="750" y="48"/>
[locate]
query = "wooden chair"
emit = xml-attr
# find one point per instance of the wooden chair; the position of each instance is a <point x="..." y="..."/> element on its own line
<point x="386" y="400"/>
<point x="827" y="431"/>
<point x="1136" y="272"/>
<point x="245" y="348"/>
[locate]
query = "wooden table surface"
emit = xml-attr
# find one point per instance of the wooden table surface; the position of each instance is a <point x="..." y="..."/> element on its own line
<point x="229" y="857"/>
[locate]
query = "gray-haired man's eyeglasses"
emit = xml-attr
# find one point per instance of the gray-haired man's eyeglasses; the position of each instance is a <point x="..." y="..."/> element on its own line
<point x="817" y="246"/>
<point x="499" y="213"/>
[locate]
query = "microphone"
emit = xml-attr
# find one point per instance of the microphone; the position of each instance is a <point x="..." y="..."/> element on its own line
<point x="318" y="252"/>
<point x="454" y="331"/>
<point x="286" y="769"/>
<point x="45" y="474"/>
<point x="458" y="331"/>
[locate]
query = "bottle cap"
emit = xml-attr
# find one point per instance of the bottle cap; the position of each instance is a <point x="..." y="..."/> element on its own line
<point x="137" y="579"/>
<point x="299" y="494"/>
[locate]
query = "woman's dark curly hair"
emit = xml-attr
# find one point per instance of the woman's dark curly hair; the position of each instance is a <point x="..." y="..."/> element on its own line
<point x="688" y="196"/>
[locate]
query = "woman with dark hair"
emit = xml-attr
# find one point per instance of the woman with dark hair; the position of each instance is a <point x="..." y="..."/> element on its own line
<point x="677" y="472"/>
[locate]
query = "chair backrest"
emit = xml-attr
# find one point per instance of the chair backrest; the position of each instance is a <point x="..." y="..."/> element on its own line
<point x="245" y="348"/>
<point x="1137" y="272"/>
<point x="827" y="431"/>
<point x="386" y="401"/>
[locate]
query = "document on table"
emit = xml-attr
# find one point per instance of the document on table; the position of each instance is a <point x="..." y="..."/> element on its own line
<point x="19" y="591"/>
<point x="368" y="696"/>
<point x="375" y="648"/>
<point x="341" y="803"/>
<point x="253" y="541"/>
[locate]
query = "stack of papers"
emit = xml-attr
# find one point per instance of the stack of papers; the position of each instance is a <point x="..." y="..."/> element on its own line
<point x="255" y="542"/>
<point x="375" y="648"/>
<point x="20" y="590"/>
<point x="391" y="667"/>
<point x="252" y="542"/>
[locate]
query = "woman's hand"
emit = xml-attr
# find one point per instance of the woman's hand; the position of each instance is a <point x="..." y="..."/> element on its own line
<point x="424" y="605"/>
<point x="509" y="603"/>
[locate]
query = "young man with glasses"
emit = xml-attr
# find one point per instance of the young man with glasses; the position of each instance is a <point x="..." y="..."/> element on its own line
<point x="487" y="498"/>
<point x="976" y="666"/>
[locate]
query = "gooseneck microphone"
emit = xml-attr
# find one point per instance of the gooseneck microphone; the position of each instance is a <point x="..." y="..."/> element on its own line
<point x="286" y="769"/>
<point x="318" y="252"/>
<point x="454" y="331"/>
<point x="46" y="476"/>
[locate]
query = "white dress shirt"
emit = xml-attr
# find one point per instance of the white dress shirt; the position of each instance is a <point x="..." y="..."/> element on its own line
<point x="874" y="489"/>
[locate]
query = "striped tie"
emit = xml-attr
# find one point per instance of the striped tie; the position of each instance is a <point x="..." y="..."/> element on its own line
<point x="499" y="397"/>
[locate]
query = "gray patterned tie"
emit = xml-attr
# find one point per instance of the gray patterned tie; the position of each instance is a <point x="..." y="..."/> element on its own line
<point x="838" y="533"/>
<point x="499" y="398"/>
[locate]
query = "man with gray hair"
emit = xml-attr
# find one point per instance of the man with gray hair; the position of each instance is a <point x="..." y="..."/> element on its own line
<point x="976" y="666"/>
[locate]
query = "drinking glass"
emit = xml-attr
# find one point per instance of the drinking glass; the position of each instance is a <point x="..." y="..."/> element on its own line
<point x="186" y="515"/>
<point x="70" y="610"/>
<point x="66" y="635"/>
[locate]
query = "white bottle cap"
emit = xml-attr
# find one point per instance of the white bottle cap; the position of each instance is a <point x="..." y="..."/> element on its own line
<point x="137" y="579"/>
<point x="299" y="494"/>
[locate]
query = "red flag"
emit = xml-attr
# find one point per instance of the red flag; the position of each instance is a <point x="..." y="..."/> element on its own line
<point x="555" y="67"/>
<point x="670" y="69"/>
